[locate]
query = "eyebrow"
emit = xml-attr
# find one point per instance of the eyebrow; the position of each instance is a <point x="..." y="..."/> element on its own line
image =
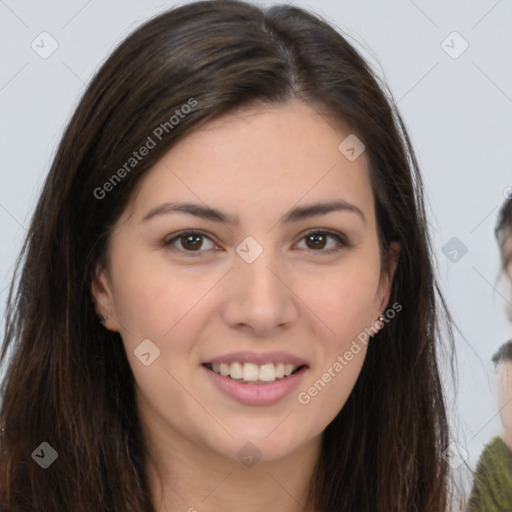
<point x="213" y="214"/>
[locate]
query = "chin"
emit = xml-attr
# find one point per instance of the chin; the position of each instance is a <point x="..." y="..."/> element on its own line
<point x="257" y="444"/>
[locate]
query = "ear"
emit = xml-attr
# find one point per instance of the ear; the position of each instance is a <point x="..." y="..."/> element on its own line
<point x="103" y="298"/>
<point x="387" y="277"/>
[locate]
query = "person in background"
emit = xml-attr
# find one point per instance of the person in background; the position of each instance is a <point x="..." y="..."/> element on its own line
<point x="492" y="488"/>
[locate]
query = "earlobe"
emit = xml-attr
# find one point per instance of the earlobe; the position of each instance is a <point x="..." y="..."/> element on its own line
<point x="102" y="297"/>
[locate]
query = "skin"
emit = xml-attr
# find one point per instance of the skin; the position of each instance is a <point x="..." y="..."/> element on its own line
<point x="506" y="249"/>
<point x="505" y="401"/>
<point x="256" y="163"/>
<point x="505" y="368"/>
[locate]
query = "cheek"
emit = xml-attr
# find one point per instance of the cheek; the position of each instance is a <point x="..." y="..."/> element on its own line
<point x="343" y="301"/>
<point x="329" y="385"/>
<point x="154" y="304"/>
<point x="505" y="400"/>
<point x="345" y="304"/>
<point x="506" y="413"/>
<point x="150" y="299"/>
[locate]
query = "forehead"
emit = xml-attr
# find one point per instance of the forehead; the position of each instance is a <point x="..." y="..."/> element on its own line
<point x="261" y="156"/>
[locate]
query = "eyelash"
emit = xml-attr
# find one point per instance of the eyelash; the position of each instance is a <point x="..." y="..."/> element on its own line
<point x="341" y="239"/>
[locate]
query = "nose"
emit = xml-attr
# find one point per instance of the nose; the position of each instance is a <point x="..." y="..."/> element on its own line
<point x="259" y="296"/>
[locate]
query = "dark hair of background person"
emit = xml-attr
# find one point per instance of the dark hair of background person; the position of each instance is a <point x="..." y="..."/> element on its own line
<point x="503" y="231"/>
<point x="503" y="354"/>
<point x="69" y="382"/>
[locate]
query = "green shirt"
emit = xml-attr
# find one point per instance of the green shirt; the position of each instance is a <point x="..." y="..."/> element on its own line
<point x="492" y="486"/>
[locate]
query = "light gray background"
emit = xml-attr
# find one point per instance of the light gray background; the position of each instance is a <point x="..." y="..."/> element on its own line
<point x="457" y="110"/>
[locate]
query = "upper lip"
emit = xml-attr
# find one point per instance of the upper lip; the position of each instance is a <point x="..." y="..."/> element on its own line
<point x="258" y="358"/>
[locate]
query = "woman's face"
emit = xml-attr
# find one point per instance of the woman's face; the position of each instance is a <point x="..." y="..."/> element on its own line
<point x="253" y="285"/>
<point x="506" y="255"/>
<point x="505" y="394"/>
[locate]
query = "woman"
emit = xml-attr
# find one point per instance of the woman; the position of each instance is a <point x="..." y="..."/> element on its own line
<point x="238" y="200"/>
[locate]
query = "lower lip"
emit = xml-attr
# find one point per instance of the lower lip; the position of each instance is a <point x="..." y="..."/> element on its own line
<point x="256" y="394"/>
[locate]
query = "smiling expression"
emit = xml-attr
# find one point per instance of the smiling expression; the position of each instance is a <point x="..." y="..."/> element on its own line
<point x="253" y="240"/>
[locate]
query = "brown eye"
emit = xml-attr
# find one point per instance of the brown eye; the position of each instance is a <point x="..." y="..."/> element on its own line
<point x="316" y="241"/>
<point x="189" y="242"/>
<point x="319" y="240"/>
<point x="192" y="242"/>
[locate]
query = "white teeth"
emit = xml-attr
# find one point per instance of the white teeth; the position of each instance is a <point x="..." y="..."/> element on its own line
<point x="288" y="369"/>
<point x="236" y="371"/>
<point x="251" y="372"/>
<point x="267" y="372"/>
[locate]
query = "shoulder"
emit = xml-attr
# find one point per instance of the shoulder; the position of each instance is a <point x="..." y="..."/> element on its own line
<point x="492" y="486"/>
<point x="496" y="452"/>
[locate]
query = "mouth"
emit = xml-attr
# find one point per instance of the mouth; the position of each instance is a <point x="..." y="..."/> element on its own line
<point x="252" y="373"/>
<point x="255" y="384"/>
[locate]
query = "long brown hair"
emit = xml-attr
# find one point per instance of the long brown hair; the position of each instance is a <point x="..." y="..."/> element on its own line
<point x="68" y="381"/>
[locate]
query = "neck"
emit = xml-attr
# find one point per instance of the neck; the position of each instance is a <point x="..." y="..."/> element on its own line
<point x="507" y="439"/>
